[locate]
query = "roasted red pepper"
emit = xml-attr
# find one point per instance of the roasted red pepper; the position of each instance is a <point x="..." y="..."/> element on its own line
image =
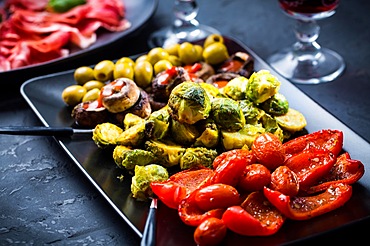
<point x="255" y="217"/>
<point x="310" y="165"/>
<point x="345" y="170"/>
<point x="331" y="140"/>
<point x="303" y="208"/>
<point x="179" y="185"/>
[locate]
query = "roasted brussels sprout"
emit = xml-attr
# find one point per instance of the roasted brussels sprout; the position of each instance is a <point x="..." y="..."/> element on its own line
<point x="261" y="86"/>
<point x="131" y="120"/>
<point x="227" y="114"/>
<point x="270" y="124"/>
<point x="167" y="153"/>
<point x="158" y="123"/>
<point x="276" y="105"/>
<point x="198" y="157"/>
<point x="212" y="91"/>
<point x="106" y="134"/>
<point x="236" y="88"/>
<point x="144" y="175"/>
<point x="182" y="133"/>
<point x="133" y="136"/>
<point x="127" y="158"/>
<point x="210" y="135"/>
<point x="251" y="113"/>
<point x="293" y="121"/>
<point x="242" y="138"/>
<point x="189" y="103"/>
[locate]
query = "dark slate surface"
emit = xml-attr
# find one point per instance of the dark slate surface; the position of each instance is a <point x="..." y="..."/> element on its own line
<point x="46" y="200"/>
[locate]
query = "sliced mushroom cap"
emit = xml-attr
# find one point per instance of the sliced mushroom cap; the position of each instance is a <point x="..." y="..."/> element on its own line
<point x="119" y="95"/>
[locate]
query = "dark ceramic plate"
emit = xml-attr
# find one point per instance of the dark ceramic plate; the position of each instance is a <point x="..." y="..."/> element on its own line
<point x="138" y="13"/>
<point x="43" y="94"/>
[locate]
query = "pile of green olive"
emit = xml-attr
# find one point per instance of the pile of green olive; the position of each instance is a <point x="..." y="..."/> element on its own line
<point x="89" y="80"/>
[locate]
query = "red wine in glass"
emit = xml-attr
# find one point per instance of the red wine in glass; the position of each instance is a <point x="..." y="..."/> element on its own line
<point x="308" y="6"/>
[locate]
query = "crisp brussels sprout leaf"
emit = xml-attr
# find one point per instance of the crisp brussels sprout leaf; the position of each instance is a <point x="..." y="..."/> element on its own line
<point x="131" y="120"/>
<point x="183" y="133"/>
<point x="133" y="136"/>
<point x="210" y="135"/>
<point x="276" y="105"/>
<point x="144" y="175"/>
<point x="236" y="88"/>
<point x="189" y="103"/>
<point x="127" y="158"/>
<point x="198" y="157"/>
<point x="158" y="123"/>
<point x="167" y="153"/>
<point x="242" y="138"/>
<point x="227" y="114"/>
<point x="251" y="113"/>
<point x="106" y="134"/>
<point x="261" y="86"/>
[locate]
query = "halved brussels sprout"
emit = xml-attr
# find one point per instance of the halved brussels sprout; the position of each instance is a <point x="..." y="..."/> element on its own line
<point x="189" y="103"/>
<point x="198" y="157"/>
<point x="293" y="121"/>
<point x="133" y="136"/>
<point x="106" y="134"/>
<point x="212" y="91"/>
<point x="227" y="114"/>
<point x="261" y="86"/>
<point x="183" y="133"/>
<point x="270" y="124"/>
<point x="131" y="120"/>
<point x="251" y="113"/>
<point x="236" y="88"/>
<point x="127" y="158"/>
<point x="242" y="138"/>
<point x="167" y="153"/>
<point x="144" y="175"/>
<point x="158" y="123"/>
<point x="210" y="136"/>
<point x="276" y="105"/>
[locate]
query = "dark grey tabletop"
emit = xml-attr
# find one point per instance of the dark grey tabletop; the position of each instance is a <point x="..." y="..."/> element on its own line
<point x="46" y="200"/>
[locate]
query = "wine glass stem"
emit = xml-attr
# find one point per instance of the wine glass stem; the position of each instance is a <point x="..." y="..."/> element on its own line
<point x="306" y="48"/>
<point x="185" y="12"/>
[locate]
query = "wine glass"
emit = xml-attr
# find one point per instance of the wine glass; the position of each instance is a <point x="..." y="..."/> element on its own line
<point x="184" y="28"/>
<point x="306" y="62"/>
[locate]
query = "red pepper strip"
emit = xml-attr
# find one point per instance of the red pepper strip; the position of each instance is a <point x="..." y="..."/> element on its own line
<point x="255" y="217"/>
<point x="229" y="166"/>
<point x="331" y="140"/>
<point x="303" y="208"/>
<point x="310" y="166"/>
<point x="345" y="170"/>
<point x="193" y="68"/>
<point x="179" y="185"/>
<point x="192" y="215"/>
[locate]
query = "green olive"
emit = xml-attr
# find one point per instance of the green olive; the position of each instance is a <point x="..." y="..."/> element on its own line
<point x="73" y="94"/>
<point x="187" y="53"/>
<point x="173" y="49"/>
<point x="89" y="85"/>
<point x="83" y="74"/>
<point x="213" y="38"/>
<point x="91" y="95"/>
<point x="103" y="71"/>
<point x="126" y="60"/>
<point x="156" y="54"/>
<point x="141" y="58"/>
<point x="143" y="73"/>
<point x="175" y="60"/>
<point x="162" y="65"/>
<point x="123" y="70"/>
<point x="199" y="50"/>
<point x="215" y="53"/>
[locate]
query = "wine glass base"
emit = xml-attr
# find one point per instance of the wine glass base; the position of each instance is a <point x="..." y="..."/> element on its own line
<point x="326" y="68"/>
<point x="166" y="36"/>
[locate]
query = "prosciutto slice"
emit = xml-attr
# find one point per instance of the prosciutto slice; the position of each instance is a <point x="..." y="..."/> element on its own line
<point x="30" y="34"/>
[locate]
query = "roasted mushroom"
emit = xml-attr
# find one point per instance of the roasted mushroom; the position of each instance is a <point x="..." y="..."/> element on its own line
<point x="89" y="114"/>
<point x="240" y="63"/>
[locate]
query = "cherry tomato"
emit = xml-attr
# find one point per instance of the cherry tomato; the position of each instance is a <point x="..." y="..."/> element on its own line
<point x="216" y="196"/>
<point x="255" y="177"/>
<point x="268" y="150"/>
<point x="210" y="232"/>
<point x="285" y="181"/>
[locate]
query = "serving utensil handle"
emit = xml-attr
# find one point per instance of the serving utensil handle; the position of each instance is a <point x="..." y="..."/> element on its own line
<point x="149" y="234"/>
<point x="36" y="130"/>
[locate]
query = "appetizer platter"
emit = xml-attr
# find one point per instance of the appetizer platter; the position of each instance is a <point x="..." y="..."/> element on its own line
<point x="115" y="185"/>
<point x="136" y="14"/>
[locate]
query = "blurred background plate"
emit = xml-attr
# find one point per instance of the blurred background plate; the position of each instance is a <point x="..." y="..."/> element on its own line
<point x="138" y="12"/>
